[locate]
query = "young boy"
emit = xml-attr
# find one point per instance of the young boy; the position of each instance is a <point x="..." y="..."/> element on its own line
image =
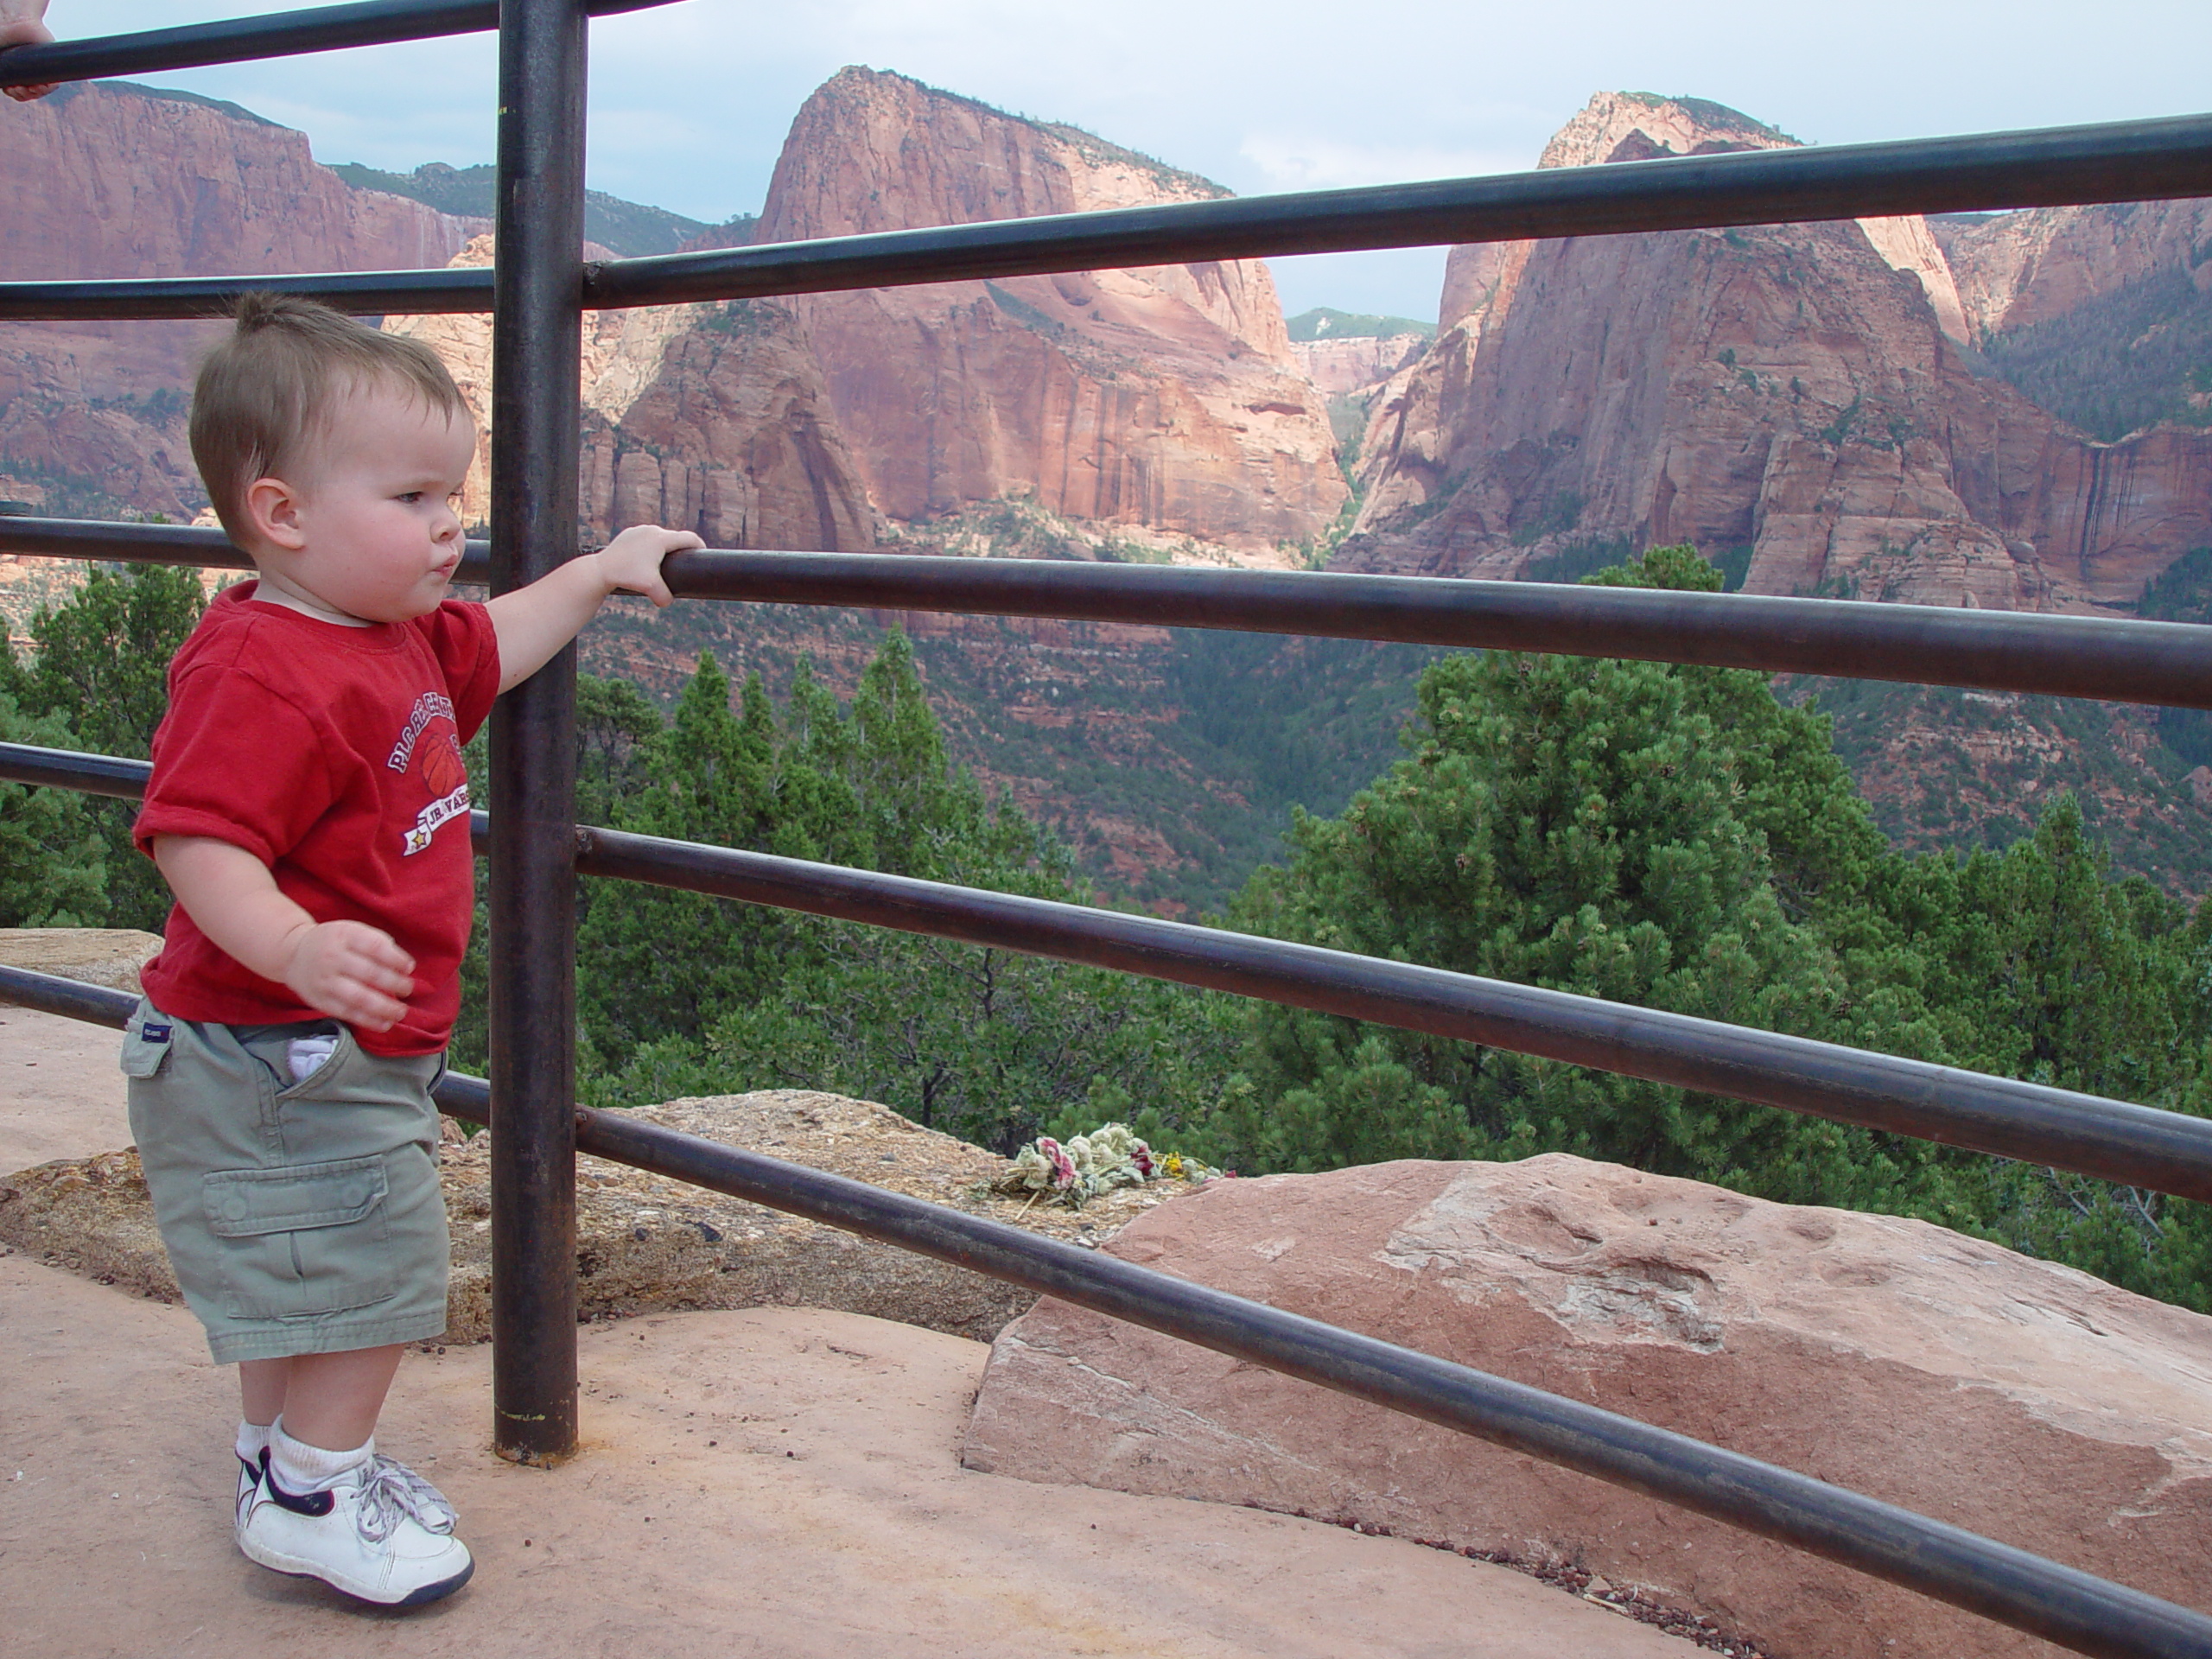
<point x="309" y="809"/>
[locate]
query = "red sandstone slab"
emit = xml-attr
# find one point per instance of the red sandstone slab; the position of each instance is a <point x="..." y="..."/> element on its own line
<point x="2020" y="1400"/>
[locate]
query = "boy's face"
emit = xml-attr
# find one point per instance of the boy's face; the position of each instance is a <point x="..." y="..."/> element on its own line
<point x="366" y="532"/>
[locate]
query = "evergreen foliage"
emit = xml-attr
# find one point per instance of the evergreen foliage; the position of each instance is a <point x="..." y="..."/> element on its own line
<point x="2120" y="361"/>
<point x="99" y="680"/>
<point x="2183" y="593"/>
<point x="1676" y="838"/>
<point x="1661" y="837"/>
<point x="689" y="994"/>
<point x="629" y="228"/>
<point x="1323" y="322"/>
<point x="53" y="863"/>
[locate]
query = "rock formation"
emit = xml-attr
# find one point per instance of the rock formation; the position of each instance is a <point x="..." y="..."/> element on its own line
<point x="1165" y="400"/>
<point x="2016" y="269"/>
<point x="710" y="418"/>
<point x="2020" y="1400"/>
<point x="1344" y="365"/>
<point x="108" y="179"/>
<point x="1793" y="396"/>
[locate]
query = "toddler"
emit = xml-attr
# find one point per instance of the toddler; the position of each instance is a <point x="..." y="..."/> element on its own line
<point x="308" y="809"/>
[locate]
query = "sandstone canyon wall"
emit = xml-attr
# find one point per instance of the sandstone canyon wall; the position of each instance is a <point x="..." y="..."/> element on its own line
<point x="2016" y="270"/>
<point x="1339" y="367"/>
<point x="710" y="418"/>
<point x="108" y="179"/>
<point x="1163" y="400"/>
<point x="1793" y="396"/>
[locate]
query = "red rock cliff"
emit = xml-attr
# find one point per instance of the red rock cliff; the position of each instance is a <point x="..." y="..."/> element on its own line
<point x="108" y="179"/>
<point x="1794" y="390"/>
<point x="1164" y="400"/>
<point x="2019" y="269"/>
<point x="710" y="418"/>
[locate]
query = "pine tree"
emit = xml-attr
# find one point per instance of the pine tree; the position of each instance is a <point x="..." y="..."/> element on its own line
<point x="53" y="862"/>
<point x="655" y="963"/>
<point x="101" y="669"/>
<point x="1595" y="826"/>
<point x="684" y="994"/>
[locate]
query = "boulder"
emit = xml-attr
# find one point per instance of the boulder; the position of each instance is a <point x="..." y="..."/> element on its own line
<point x="2024" y="1400"/>
<point x="94" y="955"/>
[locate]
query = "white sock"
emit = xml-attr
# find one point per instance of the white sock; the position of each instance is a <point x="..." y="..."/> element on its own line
<point x="300" y="1468"/>
<point x="253" y="1441"/>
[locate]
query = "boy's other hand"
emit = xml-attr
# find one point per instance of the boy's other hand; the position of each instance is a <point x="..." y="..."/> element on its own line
<point x="631" y="563"/>
<point x="351" y="971"/>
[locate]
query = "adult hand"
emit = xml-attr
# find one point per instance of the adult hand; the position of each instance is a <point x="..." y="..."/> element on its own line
<point x="22" y="23"/>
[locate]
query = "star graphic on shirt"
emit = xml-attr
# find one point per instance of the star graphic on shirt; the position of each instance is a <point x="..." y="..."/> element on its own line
<point x="418" y="839"/>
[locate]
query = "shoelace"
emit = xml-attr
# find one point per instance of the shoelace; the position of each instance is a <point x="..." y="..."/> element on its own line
<point x="390" y="1490"/>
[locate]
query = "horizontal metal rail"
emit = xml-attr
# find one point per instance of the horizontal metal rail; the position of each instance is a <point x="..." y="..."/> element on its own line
<point x="272" y="35"/>
<point x="97" y="542"/>
<point x="2028" y="1593"/>
<point x="2114" y="660"/>
<point x="2113" y="1140"/>
<point x="2168" y="1152"/>
<point x="362" y="293"/>
<point x="2131" y="161"/>
<point x="111" y="775"/>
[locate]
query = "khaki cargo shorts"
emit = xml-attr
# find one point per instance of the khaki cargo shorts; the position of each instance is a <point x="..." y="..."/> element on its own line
<point x="301" y="1217"/>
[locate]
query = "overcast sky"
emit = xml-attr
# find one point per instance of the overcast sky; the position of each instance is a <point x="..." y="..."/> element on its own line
<point x="690" y="103"/>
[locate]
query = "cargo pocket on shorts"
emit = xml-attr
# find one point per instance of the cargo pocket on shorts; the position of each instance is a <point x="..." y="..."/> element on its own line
<point x="146" y="1043"/>
<point x="310" y="1239"/>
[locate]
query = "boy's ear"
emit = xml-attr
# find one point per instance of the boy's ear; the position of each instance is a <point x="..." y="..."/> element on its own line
<point x="272" y="506"/>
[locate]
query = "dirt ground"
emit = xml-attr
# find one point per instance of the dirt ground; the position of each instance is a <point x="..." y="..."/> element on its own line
<point x="771" y="1482"/>
<point x="61" y="1093"/>
<point x="779" y="1481"/>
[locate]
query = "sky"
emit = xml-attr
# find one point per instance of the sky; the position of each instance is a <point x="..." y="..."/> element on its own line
<point x="690" y="103"/>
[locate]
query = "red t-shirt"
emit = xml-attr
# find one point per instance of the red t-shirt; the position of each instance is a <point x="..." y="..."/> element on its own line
<point x="333" y="756"/>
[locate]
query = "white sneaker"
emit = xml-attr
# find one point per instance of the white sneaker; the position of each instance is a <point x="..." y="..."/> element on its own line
<point x="381" y="1534"/>
<point x="248" y="1488"/>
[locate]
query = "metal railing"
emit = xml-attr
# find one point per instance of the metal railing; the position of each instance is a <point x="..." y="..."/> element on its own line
<point x="536" y="294"/>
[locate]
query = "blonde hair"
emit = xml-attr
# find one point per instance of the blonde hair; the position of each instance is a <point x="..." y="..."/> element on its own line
<point x="264" y="390"/>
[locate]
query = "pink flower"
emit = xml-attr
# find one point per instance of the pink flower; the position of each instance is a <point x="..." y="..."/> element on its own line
<point x="1063" y="1166"/>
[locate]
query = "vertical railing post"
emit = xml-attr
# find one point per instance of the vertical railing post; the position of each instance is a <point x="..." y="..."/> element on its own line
<point x="536" y="323"/>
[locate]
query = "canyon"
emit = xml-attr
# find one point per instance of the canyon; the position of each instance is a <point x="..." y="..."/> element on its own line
<point x="1821" y="409"/>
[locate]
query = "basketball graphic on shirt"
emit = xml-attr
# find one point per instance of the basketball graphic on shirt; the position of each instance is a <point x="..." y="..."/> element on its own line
<point x="439" y="759"/>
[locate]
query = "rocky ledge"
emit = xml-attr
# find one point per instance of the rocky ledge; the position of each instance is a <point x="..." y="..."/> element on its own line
<point x="644" y="1243"/>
